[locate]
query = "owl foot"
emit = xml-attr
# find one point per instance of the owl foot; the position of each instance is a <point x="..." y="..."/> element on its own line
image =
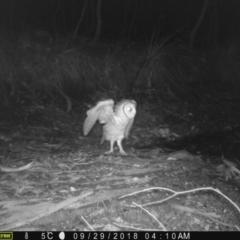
<point x="122" y="152"/>
<point x="119" y="143"/>
<point x="109" y="152"/>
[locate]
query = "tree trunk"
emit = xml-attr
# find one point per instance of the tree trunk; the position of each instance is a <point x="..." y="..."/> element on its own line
<point x="198" y="23"/>
<point x="215" y="23"/>
<point x="131" y="24"/>
<point x="99" y="21"/>
<point x="80" y="20"/>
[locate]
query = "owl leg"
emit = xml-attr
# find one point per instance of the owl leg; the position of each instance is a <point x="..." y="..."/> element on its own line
<point x="119" y="143"/>
<point x="111" y="147"/>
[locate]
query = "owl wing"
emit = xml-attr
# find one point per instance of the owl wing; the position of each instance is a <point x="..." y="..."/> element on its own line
<point x="102" y="111"/>
<point x="128" y="128"/>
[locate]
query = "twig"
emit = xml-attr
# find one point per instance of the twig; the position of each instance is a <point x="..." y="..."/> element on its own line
<point x="180" y="193"/>
<point x="88" y="224"/>
<point x="190" y="210"/>
<point x="135" y="228"/>
<point x="164" y="229"/>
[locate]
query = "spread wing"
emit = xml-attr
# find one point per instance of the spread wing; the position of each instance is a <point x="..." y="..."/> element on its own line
<point x="102" y="111"/>
<point x="128" y="128"/>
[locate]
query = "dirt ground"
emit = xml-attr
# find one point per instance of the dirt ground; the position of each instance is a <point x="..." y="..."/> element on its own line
<point x="54" y="178"/>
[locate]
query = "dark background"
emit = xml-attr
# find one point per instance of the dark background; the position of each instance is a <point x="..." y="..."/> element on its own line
<point x="134" y="20"/>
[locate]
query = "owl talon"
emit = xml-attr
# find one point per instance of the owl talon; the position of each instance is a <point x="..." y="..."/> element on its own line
<point x="123" y="153"/>
<point x="108" y="152"/>
<point x="119" y="143"/>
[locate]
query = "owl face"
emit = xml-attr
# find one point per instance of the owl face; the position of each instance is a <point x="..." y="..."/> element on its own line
<point x="129" y="109"/>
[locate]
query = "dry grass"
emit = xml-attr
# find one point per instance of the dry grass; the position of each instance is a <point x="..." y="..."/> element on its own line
<point x="169" y="68"/>
<point x="228" y="62"/>
<point x="43" y="68"/>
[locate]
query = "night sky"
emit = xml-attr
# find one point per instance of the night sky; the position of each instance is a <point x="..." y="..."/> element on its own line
<point x="134" y="20"/>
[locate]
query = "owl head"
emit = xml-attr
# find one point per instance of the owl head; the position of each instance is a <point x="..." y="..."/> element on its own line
<point x="129" y="108"/>
<point x="126" y="108"/>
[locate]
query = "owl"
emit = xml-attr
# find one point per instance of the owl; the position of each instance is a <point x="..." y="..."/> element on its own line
<point x="117" y="121"/>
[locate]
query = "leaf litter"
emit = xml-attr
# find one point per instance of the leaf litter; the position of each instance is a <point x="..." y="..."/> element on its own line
<point x="53" y="178"/>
